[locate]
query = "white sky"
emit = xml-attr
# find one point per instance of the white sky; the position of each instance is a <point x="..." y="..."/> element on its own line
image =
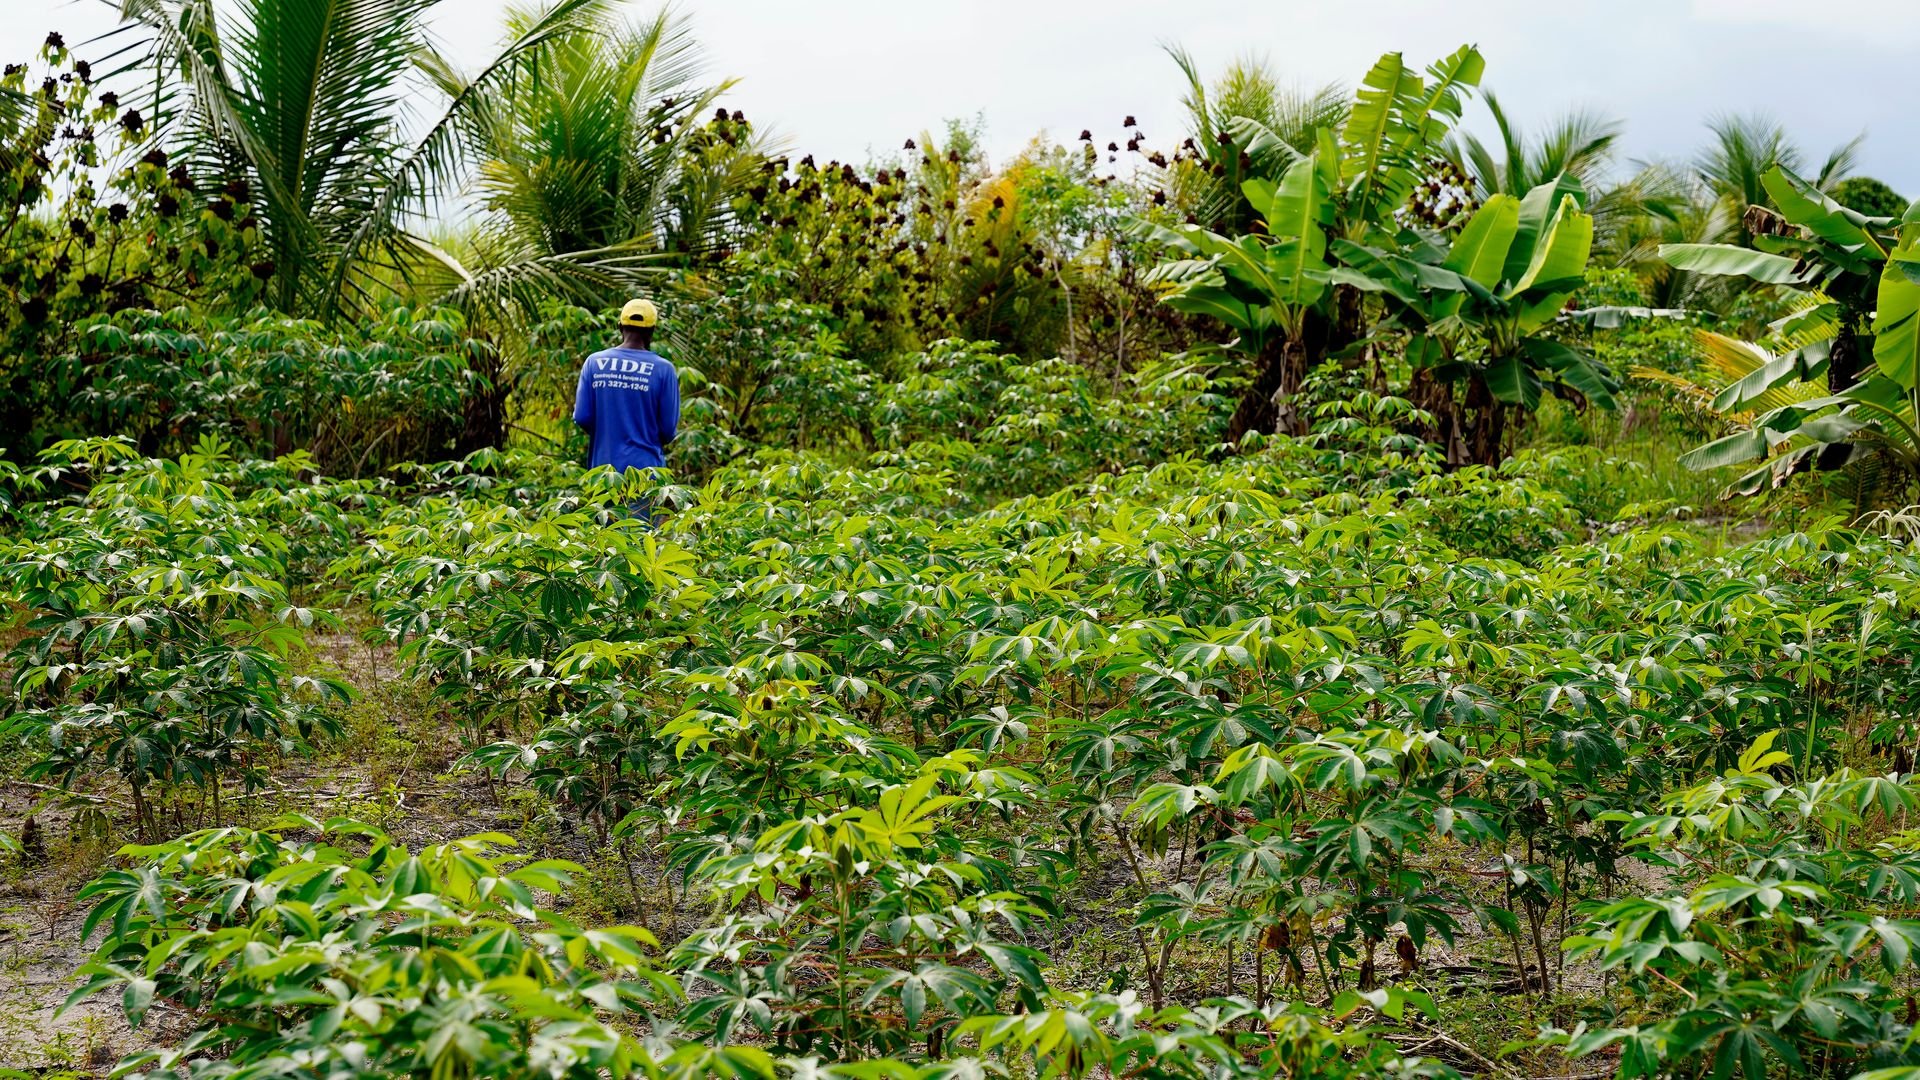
<point x="845" y="78"/>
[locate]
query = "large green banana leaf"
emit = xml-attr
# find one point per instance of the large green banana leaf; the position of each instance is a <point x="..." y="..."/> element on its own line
<point x="1509" y="380"/>
<point x="1538" y="208"/>
<point x="1481" y="251"/>
<point x="1731" y="449"/>
<point x="1559" y="268"/>
<point x="1393" y="115"/>
<point x="1808" y="207"/>
<point x="1298" y="214"/>
<point x="1896" y="324"/>
<point x="1575" y="369"/>
<point x="1203" y="298"/>
<point x="1725" y="259"/>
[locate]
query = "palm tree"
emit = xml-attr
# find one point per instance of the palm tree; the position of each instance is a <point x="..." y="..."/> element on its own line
<point x="1681" y="209"/>
<point x="1244" y="113"/>
<point x="1578" y="145"/>
<point x="300" y="103"/>
<point x="1744" y="148"/>
<point x="1628" y="212"/>
<point x="605" y="147"/>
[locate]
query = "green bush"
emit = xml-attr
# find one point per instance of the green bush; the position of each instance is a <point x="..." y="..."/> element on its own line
<point x="356" y="398"/>
<point x="159" y="631"/>
<point x="327" y="949"/>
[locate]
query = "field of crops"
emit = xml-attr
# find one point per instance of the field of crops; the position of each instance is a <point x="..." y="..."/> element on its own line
<point x="1336" y="592"/>
<point x="1260" y="765"/>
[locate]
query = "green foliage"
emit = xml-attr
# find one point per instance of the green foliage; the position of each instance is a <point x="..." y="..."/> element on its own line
<point x="1778" y="961"/>
<point x="933" y="244"/>
<point x="1473" y="303"/>
<point x="302" y="104"/>
<point x="1579" y="144"/>
<point x="1055" y="426"/>
<point x="329" y="949"/>
<point x="99" y="220"/>
<point x="759" y="367"/>
<point x="589" y="150"/>
<point x="1475" y="312"/>
<point x="160" y="626"/>
<point x="859" y="251"/>
<point x="952" y="950"/>
<point x="1625" y="334"/>
<point x="548" y="626"/>
<point x="1207" y="174"/>
<point x="980" y="693"/>
<point x="883" y="743"/>
<point x="1854" y="274"/>
<point x="949" y="391"/>
<point x="356" y="398"/>
<point x="1870" y="197"/>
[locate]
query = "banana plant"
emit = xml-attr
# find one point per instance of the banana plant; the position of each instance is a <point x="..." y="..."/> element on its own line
<point x="1474" y="310"/>
<point x="1812" y="244"/>
<point x="1861" y="275"/>
<point x="1877" y="415"/>
<point x="1275" y="290"/>
<point x="1398" y="119"/>
<point x="1264" y="287"/>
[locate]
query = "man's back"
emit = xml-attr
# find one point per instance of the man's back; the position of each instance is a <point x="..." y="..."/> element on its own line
<point x="629" y="401"/>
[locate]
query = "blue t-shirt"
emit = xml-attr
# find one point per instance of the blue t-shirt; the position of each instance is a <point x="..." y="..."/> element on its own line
<point x="629" y="402"/>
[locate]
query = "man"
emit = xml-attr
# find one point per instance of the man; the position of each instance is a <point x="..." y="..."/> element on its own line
<point x="629" y="397"/>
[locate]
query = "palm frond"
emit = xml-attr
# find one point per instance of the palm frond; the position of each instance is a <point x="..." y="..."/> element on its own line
<point x="1248" y="104"/>
<point x="1812" y="318"/>
<point x="511" y="290"/>
<point x="1864" y="480"/>
<point x="1681" y="210"/>
<point x="1730" y="360"/>
<point x="1578" y="144"/>
<point x="598" y="150"/>
<point x="1744" y="147"/>
<point x="15" y="107"/>
<point x="186" y="38"/>
<point x="700" y="214"/>
<point x="1194" y="101"/>
<point x="1687" y="393"/>
<point x="438" y="154"/>
<point x="319" y="85"/>
<point x="1841" y="162"/>
<point x="1511" y="174"/>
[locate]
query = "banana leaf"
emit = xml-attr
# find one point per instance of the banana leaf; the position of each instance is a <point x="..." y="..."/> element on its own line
<point x="1725" y="259"/>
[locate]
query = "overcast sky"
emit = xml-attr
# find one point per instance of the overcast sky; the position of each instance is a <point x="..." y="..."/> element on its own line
<point x="849" y="78"/>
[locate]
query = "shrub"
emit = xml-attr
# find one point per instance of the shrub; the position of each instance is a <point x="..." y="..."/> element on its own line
<point x="327" y="949"/>
<point x="357" y="399"/>
<point x="159" y="634"/>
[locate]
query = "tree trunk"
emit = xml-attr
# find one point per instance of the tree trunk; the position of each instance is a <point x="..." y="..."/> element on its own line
<point x="1267" y="405"/>
<point x="1487" y="423"/>
<point x="1844" y="358"/>
<point x="1435" y="398"/>
<point x="484" y="425"/>
<point x="1470" y="432"/>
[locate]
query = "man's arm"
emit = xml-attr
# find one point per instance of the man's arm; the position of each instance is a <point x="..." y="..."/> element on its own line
<point x="669" y="418"/>
<point x="583" y="402"/>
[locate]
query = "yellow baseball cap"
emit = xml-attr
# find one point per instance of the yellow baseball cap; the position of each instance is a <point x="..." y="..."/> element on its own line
<point x="639" y="313"/>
